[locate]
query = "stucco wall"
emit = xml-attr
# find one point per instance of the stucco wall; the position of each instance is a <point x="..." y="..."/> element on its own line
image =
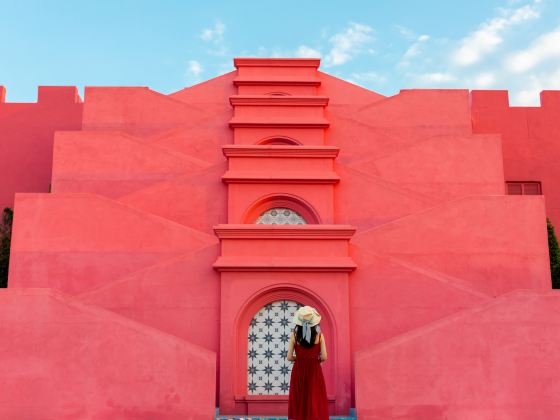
<point x="66" y="360"/>
<point x="498" y="360"/>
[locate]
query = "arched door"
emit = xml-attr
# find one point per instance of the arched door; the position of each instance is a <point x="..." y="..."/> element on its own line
<point x="268" y="371"/>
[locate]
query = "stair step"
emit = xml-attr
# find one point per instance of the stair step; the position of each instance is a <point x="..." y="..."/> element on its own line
<point x="352" y="416"/>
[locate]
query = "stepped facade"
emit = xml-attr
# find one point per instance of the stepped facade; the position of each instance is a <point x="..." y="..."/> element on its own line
<point x="161" y="244"/>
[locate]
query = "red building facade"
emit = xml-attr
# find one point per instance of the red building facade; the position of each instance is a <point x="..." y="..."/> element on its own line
<point x="159" y="275"/>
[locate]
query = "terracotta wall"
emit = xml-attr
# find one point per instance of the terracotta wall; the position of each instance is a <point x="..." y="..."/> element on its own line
<point x="26" y="138"/>
<point x="529" y="140"/>
<point x="496" y="361"/>
<point x="129" y="224"/>
<point x="67" y="360"/>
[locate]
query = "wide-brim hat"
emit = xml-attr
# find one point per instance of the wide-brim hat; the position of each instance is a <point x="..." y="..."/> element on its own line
<point x="308" y="314"/>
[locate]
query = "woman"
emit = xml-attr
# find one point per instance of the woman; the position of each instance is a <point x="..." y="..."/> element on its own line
<point x="308" y="394"/>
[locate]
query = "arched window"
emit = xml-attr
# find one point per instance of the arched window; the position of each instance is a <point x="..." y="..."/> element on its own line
<point x="280" y="216"/>
<point x="279" y="141"/>
<point x="268" y="371"/>
<point x="283" y="209"/>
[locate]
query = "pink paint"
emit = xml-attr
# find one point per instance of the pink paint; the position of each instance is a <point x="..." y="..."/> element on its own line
<point x="528" y="139"/>
<point x="496" y="360"/>
<point x="67" y="360"/>
<point x="27" y="131"/>
<point x="412" y="252"/>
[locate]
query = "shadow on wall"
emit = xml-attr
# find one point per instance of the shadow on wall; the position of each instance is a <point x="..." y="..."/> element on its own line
<point x="5" y="240"/>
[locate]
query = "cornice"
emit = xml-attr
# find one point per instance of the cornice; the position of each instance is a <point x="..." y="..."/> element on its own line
<point x="276" y="177"/>
<point x="268" y="264"/>
<point x="254" y="231"/>
<point x="276" y="81"/>
<point x="276" y="62"/>
<point x="238" y="150"/>
<point x="236" y="122"/>
<point x="268" y="100"/>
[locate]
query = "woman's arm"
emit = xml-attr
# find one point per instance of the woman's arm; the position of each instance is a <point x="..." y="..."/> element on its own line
<point x="291" y="356"/>
<point x="323" y="355"/>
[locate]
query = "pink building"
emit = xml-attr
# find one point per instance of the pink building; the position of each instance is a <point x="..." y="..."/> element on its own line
<point x="158" y="278"/>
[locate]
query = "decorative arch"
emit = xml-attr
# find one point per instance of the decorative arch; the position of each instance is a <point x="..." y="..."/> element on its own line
<point x="279" y="141"/>
<point x="269" y="295"/>
<point x="287" y="201"/>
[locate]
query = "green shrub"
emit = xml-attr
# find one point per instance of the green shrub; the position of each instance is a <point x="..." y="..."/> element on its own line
<point x="554" y="254"/>
<point x="5" y="239"/>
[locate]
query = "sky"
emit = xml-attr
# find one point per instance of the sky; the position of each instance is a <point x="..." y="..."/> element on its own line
<point x="383" y="46"/>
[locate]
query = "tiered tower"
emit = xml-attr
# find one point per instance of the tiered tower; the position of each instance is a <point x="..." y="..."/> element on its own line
<point x="281" y="243"/>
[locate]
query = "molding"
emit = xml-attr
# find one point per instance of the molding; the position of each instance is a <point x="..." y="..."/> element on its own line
<point x="267" y="100"/>
<point x="252" y="231"/>
<point x="276" y="81"/>
<point x="276" y="62"/>
<point x="268" y="264"/>
<point x="237" y="122"/>
<point x="277" y="177"/>
<point x="240" y="150"/>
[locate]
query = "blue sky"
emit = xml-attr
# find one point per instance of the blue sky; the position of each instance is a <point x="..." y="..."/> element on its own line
<point x="383" y="46"/>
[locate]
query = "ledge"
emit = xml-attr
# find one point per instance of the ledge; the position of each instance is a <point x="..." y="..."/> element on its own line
<point x="239" y="150"/>
<point x="276" y="62"/>
<point x="236" y="122"/>
<point x="266" y="100"/>
<point x="248" y="231"/>
<point x="276" y="81"/>
<point x="276" y="177"/>
<point x="330" y="264"/>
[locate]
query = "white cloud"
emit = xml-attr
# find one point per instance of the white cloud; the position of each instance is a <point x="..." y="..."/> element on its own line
<point x="304" y="51"/>
<point x="490" y="34"/>
<point x="348" y="43"/>
<point x="544" y="48"/>
<point x="487" y="57"/>
<point x="484" y="80"/>
<point x="436" y="77"/>
<point x="215" y="34"/>
<point x="194" y="69"/>
<point x="415" y="49"/>
<point x="529" y="94"/>
<point x="405" y="32"/>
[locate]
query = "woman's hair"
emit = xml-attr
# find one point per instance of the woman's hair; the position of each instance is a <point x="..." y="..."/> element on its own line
<point x="299" y="336"/>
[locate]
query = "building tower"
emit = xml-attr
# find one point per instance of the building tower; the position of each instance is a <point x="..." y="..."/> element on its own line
<point x="281" y="247"/>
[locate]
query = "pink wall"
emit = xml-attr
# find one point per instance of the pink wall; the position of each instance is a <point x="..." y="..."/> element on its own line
<point x="77" y="242"/>
<point x="117" y="164"/>
<point x="26" y="133"/>
<point x="496" y="361"/>
<point x="169" y="296"/>
<point x="66" y="360"/>
<point x="529" y="140"/>
<point x="138" y="191"/>
<point x="476" y="239"/>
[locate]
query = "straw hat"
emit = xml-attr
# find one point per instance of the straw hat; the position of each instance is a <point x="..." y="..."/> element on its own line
<point x="307" y="313"/>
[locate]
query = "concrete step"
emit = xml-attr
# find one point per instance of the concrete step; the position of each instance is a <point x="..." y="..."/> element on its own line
<point x="351" y="416"/>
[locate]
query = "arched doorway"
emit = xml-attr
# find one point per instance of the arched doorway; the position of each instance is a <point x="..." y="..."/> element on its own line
<point x="270" y="312"/>
<point x="268" y="371"/>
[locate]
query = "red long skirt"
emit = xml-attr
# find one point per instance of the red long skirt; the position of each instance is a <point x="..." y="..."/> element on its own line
<point x="308" y="394"/>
